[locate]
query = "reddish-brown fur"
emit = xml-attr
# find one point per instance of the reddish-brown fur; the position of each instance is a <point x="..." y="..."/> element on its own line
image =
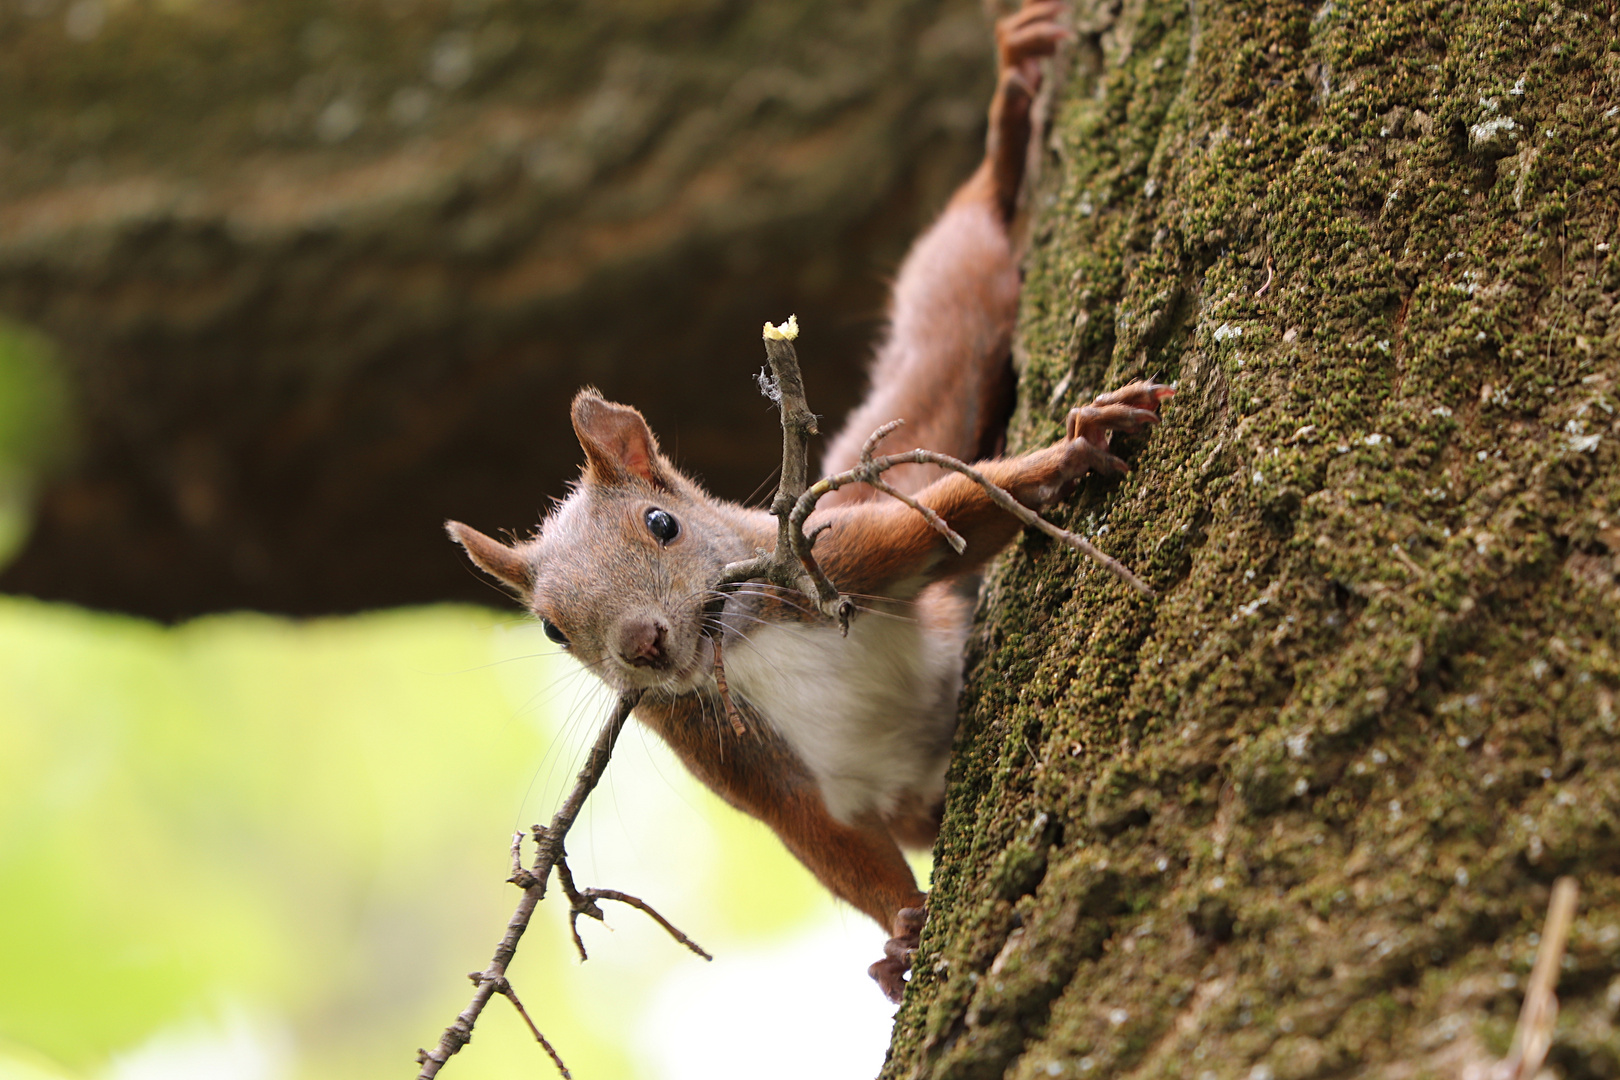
<point x="598" y="577"/>
<point x="760" y="776"/>
<point x="870" y="549"/>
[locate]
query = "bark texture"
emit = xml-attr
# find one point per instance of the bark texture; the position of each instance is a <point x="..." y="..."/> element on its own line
<point x="326" y="272"/>
<point x="1298" y="817"/>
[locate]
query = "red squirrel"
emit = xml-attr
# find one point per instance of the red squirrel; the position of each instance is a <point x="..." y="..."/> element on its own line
<point x="847" y="738"/>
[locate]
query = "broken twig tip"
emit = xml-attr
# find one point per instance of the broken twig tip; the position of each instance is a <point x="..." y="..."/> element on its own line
<point x="788" y="331"/>
<point x="737" y="726"/>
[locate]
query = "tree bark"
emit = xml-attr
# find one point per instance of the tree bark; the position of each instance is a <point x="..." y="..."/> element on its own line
<point x="1299" y="816"/>
<point x="322" y="275"/>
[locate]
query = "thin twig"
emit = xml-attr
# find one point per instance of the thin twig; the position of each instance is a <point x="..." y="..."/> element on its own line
<point x="952" y="537"/>
<point x="584" y="902"/>
<point x="865" y="472"/>
<point x="517" y="857"/>
<point x="1532" y="1038"/>
<point x="1261" y="291"/>
<point x="792" y="565"/>
<point x="533" y="884"/>
<point x="737" y="726"/>
<point x="565" y="877"/>
<point x="648" y="910"/>
<point x="505" y="988"/>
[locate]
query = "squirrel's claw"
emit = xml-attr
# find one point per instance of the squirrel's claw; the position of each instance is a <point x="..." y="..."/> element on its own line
<point x="890" y="972"/>
<point x="1129" y="409"/>
<point x="1090" y="428"/>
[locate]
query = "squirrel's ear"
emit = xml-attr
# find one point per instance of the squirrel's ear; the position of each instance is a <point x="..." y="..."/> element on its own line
<point x="493" y="557"/>
<point x="618" y="443"/>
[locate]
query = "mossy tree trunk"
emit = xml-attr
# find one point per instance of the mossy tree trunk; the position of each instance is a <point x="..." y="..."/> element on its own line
<point x="1299" y="815"/>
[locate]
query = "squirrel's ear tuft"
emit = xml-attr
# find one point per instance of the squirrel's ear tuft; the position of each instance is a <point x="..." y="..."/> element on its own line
<point x="618" y="443"/>
<point x="494" y="558"/>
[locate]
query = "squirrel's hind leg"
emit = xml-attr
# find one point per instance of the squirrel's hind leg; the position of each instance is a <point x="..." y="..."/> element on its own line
<point x="1023" y="39"/>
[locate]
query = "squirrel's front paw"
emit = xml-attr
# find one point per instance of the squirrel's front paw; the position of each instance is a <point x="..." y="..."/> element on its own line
<point x="890" y="972"/>
<point x="1090" y="428"/>
<point x="1129" y="409"/>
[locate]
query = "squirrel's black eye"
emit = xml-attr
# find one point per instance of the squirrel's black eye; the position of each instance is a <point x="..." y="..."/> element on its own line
<point x="662" y="525"/>
<point x="552" y="632"/>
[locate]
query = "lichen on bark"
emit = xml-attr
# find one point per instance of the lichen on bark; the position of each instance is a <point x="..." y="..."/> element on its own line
<point x="1299" y="816"/>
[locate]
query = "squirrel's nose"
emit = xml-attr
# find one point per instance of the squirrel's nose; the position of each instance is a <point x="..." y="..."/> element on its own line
<point x="641" y="641"/>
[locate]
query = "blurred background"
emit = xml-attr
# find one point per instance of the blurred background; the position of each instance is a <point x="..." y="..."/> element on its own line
<point x="283" y="285"/>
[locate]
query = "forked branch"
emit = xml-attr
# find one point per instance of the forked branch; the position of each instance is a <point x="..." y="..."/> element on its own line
<point x="584" y="902"/>
<point x="549" y="851"/>
<point x="870" y="471"/>
<point x="792" y="565"/>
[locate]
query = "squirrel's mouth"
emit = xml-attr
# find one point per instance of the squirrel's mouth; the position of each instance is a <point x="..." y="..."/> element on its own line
<point x="696" y="670"/>
<point x="671" y="676"/>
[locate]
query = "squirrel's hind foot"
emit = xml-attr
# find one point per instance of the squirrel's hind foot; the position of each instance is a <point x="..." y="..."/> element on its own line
<point x="890" y="972"/>
<point x="1031" y="32"/>
<point x="1023" y="39"/>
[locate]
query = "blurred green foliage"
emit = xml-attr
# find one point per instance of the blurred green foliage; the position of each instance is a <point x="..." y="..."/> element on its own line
<point x="34" y="427"/>
<point x="300" y="830"/>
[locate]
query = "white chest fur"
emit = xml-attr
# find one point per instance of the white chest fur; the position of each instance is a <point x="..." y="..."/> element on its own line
<point x="871" y="714"/>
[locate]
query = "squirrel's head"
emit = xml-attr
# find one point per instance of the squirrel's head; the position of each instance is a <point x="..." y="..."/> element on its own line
<point x="620" y="572"/>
